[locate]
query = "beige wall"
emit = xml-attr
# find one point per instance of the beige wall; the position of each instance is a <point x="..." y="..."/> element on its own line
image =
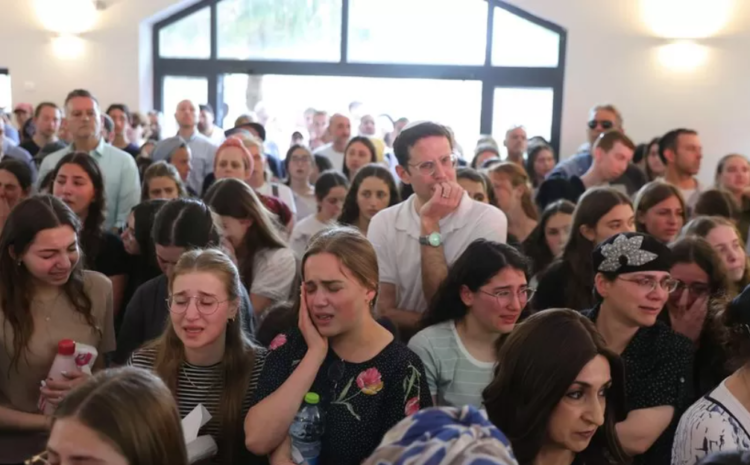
<point x="116" y="60"/>
<point x="611" y="58"/>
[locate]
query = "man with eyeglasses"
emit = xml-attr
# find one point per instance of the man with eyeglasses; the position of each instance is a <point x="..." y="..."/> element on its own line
<point x="612" y="153"/>
<point x="602" y="118"/>
<point x="417" y="239"/>
<point x="632" y="286"/>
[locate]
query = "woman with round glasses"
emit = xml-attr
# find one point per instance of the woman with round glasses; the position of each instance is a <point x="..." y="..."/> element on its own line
<point x="180" y="226"/>
<point x="632" y="284"/>
<point x="204" y="355"/>
<point x="480" y="301"/>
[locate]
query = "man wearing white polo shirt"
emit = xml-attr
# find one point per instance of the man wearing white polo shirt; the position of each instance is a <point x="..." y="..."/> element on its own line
<point x="418" y="239"/>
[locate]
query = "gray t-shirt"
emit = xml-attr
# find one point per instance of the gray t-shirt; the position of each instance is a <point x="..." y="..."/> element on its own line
<point x="454" y="376"/>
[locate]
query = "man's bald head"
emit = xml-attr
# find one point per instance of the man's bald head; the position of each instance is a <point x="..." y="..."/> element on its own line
<point x="340" y="129"/>
<point x="187" y="114"/>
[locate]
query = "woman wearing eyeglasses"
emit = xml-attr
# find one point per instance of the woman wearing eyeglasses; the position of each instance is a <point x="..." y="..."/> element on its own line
<point x="367" y="381"/>
<point x="480" y="301"/>
<point x="180" y="226"/>
<point x="702" y="283"/>
<point x="204" y="355"/>
<point x="632" y="284"/>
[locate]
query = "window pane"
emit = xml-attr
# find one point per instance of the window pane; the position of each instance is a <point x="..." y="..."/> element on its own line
<point x="530" y="108"/>
<point x="177" y="89"/>
<point x="308" y="30"/>
<point x="280" y="103"/>
<point x="189" y="37"/>
<point x="518" y="42"/>
<point x="445" y="32"/>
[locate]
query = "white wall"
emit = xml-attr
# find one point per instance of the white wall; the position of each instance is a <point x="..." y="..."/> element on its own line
<point x="611" y="58"/>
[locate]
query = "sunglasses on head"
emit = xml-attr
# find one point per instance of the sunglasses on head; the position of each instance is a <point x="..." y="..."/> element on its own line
<point x="604" y="124"/>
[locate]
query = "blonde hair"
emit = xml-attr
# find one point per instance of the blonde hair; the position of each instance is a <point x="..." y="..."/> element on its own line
<point x="239" y="354"/>
<point x="518" y="177"/>
<point x="134" y="411"/>
<point x="352" y="249"/>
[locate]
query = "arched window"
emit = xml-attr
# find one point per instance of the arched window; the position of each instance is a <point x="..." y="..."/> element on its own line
<point x="479" y="66"/>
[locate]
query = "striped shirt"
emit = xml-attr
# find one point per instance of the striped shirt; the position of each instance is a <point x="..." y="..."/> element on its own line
<point x="203" y="385"/>
<point x="455" y="377"/>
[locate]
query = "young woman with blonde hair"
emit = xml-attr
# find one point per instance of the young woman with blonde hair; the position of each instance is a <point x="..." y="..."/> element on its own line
<point x="367" y="381"/>
<point x="204" y="355"/>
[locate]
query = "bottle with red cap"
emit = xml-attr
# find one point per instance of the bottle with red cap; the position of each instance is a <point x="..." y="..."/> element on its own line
<point x="65" y="362"/>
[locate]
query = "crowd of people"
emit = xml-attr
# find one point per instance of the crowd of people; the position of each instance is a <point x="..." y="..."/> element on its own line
<point x="442" y="305"/>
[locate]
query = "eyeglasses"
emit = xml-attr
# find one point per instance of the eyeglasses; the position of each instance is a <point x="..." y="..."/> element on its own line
<point x="604" y="124"/>
<point x="649" y="284"/>
<point x="303" y="159"/>
<point x="695" y="289"/>
<point x="206" y="304"/>
<point x="427" y="168"/>
<point x="505" y="297"/>
<point x="41" y="459"/>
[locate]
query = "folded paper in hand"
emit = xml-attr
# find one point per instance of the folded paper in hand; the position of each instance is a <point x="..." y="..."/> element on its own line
<point x="198" y="448"/>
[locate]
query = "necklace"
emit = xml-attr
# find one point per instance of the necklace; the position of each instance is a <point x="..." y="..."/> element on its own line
<point x="193" y="384"/>
<point x="49" y="306"/>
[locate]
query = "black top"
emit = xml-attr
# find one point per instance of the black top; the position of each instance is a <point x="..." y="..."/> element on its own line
<point x="132" y="149"/>
<point x="658" y="371"/>
<point x="557" y="187"/>
<point x="203" y="385"/>
<point x="709" y="364"/>
<point x="30" y="146"/>
<point x="147" y="314"/>
<point x="554" y="290"/>
<point x="111" y="259"/>
<point x="362" y="401"/>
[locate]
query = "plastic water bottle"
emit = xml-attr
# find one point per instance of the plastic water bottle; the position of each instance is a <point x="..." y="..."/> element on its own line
<point x="307" y="430"/>
<point x="64" y="362"/>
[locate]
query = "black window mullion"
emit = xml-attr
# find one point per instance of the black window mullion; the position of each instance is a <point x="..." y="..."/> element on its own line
<point x="344" y="31"/>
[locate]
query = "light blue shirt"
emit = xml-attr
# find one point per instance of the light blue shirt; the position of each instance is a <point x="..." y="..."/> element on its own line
<point x="121" y="180"/>
<point x="203" y="152"/>
<point x="11" y="150"/>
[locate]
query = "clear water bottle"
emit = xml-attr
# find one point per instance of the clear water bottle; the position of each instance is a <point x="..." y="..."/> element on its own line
<point x="307" y="430"/>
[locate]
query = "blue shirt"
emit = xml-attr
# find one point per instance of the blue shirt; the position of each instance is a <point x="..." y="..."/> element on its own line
<point x="12" y="133"/>
<point x="11" y="150"/>
<point x="121" y="180"/>
<point x="203" y="152"/>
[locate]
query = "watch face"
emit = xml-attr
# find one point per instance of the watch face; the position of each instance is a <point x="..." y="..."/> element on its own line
<point x="434" y="239"/>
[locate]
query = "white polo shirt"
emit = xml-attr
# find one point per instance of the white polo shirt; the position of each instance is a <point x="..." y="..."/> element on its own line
<point x="395" y="231"/>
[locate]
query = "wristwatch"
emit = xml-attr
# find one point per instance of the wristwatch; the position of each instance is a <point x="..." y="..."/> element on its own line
<point x="434" y="239"/>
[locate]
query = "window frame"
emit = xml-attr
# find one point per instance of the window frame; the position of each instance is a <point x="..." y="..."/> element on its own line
<point x="213" y="68"/>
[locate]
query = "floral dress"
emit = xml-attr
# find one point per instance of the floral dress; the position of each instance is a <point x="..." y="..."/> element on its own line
<point x="361" y="401"/>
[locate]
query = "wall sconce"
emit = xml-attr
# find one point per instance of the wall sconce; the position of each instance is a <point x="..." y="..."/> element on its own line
<point x="683" y="56"/>
<point x="66" y="16"/>
<point x="67" y="46"/>
<point x="687" y="19"/>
